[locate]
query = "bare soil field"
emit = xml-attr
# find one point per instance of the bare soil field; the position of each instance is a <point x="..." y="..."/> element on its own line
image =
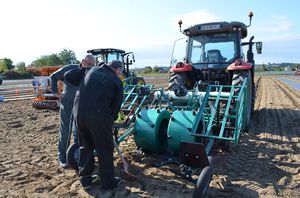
<point x="266" y="162"/>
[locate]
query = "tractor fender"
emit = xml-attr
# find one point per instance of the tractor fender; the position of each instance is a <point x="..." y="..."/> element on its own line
<point x="181" y="67"/>
<point x="239" y="65"/>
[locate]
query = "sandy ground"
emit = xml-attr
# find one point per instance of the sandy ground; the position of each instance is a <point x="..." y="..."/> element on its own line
<point x="265" y="164"/>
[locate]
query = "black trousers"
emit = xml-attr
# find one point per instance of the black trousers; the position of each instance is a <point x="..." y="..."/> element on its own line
<point x="95" y="132"/>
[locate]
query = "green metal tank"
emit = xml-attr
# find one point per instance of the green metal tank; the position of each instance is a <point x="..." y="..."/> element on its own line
<point x="151" y="130"/>
<point x="179" y="129"/>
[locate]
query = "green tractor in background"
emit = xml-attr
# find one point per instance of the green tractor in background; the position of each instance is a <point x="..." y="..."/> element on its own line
<point x="105" y="55"/>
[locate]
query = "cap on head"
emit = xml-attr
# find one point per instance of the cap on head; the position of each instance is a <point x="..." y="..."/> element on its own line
<point x="90" y="60"/>
<point x="115" y="64"/>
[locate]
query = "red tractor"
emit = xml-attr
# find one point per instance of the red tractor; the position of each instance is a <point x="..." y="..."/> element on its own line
<point x="212" y="53"/>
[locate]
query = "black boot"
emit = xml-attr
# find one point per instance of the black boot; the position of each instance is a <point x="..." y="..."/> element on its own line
<point x="115" y="182"/>
<point x="88" y="181"/>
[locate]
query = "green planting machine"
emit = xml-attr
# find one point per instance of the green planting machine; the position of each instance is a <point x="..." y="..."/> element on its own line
<point x="190" y="128"/>
<point x="208" y="103"/>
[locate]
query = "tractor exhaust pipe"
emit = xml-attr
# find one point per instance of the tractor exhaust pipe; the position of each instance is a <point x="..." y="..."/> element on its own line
<point x="250" y="18"/>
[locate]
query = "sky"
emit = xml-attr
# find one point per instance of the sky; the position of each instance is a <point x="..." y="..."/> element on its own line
<point x="33" y="28"/>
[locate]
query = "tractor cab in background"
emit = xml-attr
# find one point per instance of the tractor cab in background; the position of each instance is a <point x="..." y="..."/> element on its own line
<point x="105" y="55"/>
<point x="208" y="52"/>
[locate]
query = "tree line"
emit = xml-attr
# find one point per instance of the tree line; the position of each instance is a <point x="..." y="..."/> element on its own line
<point x="8" y="70"/>
<point x="277" y="67"/>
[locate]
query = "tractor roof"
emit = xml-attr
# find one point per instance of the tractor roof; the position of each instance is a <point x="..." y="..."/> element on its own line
<point x="216" y="27"/>
<point x="105" y="51"/>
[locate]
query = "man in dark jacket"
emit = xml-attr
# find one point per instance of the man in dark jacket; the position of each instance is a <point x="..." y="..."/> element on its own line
<point x="96" y="106"/>
<point x="66" y="105"/>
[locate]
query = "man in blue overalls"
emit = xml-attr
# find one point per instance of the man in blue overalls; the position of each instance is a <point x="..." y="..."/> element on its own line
<point x="66" y="106"/>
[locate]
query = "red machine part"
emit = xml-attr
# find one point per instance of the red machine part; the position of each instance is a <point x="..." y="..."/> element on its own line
<point x="181" y="67"/>
<point x="239" y="65"/>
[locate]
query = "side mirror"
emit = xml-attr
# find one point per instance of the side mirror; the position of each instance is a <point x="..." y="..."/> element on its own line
<point x="258" y="46"/>
<point x="129" y="58"/>
<point x="133" y="58"/>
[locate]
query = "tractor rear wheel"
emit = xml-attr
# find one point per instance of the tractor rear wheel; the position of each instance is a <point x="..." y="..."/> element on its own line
<point x="181" y="79"/>
<point x="238" y="79"/>
<point x="203" y="182"/>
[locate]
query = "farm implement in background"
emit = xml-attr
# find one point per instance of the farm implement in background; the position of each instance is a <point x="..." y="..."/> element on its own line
<point x="43" y="97"/>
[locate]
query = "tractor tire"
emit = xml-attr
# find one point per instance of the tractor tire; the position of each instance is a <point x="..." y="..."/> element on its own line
<point x="45" y="105"/>
<point x="203" y="182"/>
<point x="238" y="80"/>
<point x="139" y="81"/>
<point x="73" y="156"/>
<point x="180" y="80"/>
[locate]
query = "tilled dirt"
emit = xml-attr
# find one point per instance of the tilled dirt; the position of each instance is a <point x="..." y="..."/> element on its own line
<point x="266" y="163"/>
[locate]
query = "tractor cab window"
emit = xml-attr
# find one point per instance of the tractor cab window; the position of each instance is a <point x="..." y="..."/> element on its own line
<point x="197" y="52"/>
<point x="214" y="48"/>
<point x="114" y="56"/>
<point x="179" y="49"/>
<point x="219" y="52"/>
<point x="108" y="57"/>
<point x="100" y="59"/>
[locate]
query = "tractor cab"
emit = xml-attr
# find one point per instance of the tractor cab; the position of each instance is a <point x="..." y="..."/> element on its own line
<point x="105" y="55"/>
<point x="217" y="44"/>
<point x="209" y="53"/>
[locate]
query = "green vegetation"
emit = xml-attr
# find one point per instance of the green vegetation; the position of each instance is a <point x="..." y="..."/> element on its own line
<point x="277" y="67"/>
<point x="63" y="58"/>
<point x="154" y="74"/>
<point x="21" y="67"/>
<point x="20" y="71"/>
<point x="121" y="117"/>
<point x="155" y="71"/>
<point x="12" y="74"/>
<point x="5" y="65"/>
